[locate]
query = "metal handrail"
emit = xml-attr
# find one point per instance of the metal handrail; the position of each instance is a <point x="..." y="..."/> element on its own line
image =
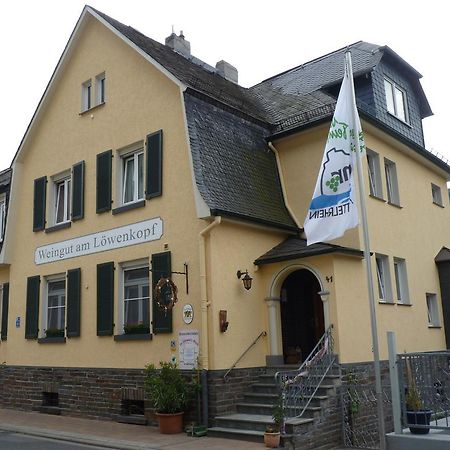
<point x="263" y="333"/>
<point x="298" y="387"/>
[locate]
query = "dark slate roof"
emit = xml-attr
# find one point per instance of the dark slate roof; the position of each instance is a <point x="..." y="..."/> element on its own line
<point x="235" y="172"/>
<point x="193" y="75"/>
<point x="294" y="248"/>
<point x="442" y="256"/>
<point x="5" y="179"/>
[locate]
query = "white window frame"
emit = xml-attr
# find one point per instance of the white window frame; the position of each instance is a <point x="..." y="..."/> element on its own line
<point x="64" y="178"/>
<point x="130" y="265"/>
<point x="374" y="173"/>
<point x="394" y="96"/>
<point x="436" y="194"/>
<point x="2" y="216"/>
<point x="401" y="281"/>
<point x="132" y="151"/>
<point x="86" y="95"/>
<point x="390" y="170"/>
<point x="383" y="278"/>
<point x="44" y="318"/>
<point x="432" y="310"/>
<point x="100" y="88"/>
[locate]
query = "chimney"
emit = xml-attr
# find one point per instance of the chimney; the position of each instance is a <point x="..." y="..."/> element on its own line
<point x="179" y="44"/>
<point x="227" y="71"/>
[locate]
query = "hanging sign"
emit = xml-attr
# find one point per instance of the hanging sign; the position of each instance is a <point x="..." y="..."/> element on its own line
<point x="133" y="234"/>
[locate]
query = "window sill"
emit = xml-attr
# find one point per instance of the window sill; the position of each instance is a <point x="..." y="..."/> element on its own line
<point x="82" y="113"/>
<point x="439" y="204"/>
<point x="53" y="340"/>
<point x="59" y="226"/>
<point x="375" y="197"/>
<point x="434" y="326"/>
<point x="384" y="302"/>
<point x="129" y="206"/>
<point x="400" y="119"/>
<point x="133" y="337"/>
<point x="404" y="304"/>
<point x="396" y="205"/>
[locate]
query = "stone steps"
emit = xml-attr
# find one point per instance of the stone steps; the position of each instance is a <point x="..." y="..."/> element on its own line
<point x="254" y="412"/>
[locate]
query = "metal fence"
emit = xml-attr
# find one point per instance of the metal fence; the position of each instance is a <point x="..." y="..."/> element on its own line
<point x="425" y="385"/>
<point x="360" y="415"/>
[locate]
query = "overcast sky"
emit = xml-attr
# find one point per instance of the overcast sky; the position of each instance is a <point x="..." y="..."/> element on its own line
<point x="260" y="38"/>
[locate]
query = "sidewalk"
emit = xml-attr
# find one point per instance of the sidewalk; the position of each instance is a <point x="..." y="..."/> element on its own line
<point x="111" y="435"/>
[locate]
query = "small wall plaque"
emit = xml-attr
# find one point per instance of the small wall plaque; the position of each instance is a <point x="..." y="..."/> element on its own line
<point x="188" y="313"/>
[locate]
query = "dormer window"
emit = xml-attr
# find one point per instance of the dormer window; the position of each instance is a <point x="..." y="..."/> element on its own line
<point x="396" y="100"/>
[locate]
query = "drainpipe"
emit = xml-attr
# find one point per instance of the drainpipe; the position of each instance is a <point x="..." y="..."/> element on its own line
<point x="283" y="186"/>
<point x="204" y="292"/>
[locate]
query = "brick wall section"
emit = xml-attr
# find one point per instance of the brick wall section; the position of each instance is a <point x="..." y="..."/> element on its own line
<point x="83" y="392"/>
<point x="223" y="395"/>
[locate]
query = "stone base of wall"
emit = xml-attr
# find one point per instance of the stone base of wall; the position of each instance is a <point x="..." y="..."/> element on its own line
<point x="82" y="392"/>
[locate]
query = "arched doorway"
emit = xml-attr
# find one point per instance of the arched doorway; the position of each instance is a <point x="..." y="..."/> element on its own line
<point x="302" y="315"/>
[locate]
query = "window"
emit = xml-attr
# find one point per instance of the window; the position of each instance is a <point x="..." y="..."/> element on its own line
<point x="401" y="280"/>
<point x="390" y="170"/>
<point x="373" y="165"/>
<point x="55" y="311"/>
<point x="2" y="216"/>
<point x="396" y="100"/>
<point x="136" y="299"/>
<point x="436" y="194"/>
<point x="383" y="278"/>
<point x="100" y="86"/>
<point x="86" y="95"/>
<point x="432" y="309"/>
<point x="62" y="205"/>
<point x="132" y="176"/>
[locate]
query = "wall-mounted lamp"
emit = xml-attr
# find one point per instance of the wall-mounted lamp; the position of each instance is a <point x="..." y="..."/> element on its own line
<point x="324" y="295"/>
<point x="246" y="279"/>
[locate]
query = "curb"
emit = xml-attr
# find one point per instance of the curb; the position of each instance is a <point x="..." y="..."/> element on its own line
<point x="78" y="439"/>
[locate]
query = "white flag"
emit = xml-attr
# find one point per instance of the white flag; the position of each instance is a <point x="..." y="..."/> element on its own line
<point x="333" y="209"/>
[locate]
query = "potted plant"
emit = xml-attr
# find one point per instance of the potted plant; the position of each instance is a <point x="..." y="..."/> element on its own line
<point x="54" y="332"/>
<point x="169" y="392"/>
<point x="415" y="412"/>
<point x="136" y="328"/>
<point x="272" y="434"/>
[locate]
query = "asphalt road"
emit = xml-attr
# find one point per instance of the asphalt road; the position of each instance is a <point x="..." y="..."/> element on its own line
<point x="14" y="441"/>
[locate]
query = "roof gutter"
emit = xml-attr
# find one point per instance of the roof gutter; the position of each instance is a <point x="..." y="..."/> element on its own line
<point x="283" y="184"/>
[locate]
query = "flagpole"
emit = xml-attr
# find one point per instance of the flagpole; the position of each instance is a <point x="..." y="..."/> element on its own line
<point x="373" y="316"/>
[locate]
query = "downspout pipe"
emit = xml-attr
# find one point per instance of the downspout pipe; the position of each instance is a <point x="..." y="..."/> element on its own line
<point x="283" y="185"/>
<point x="203" y="235"/>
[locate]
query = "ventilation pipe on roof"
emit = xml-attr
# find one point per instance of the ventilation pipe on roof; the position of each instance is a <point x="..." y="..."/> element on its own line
<point x="227" y="71"/>
<point x="179" y="44"/>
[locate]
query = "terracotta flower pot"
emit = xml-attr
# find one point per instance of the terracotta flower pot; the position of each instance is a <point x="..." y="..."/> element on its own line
<point x="272" y="440"/>
<point x="170" y="423"/>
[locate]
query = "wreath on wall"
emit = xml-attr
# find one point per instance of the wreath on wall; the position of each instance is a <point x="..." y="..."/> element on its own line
<point x="166" y="294"/>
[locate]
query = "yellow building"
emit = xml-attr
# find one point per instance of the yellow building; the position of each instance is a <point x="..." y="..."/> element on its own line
<point x="142" y="164"/>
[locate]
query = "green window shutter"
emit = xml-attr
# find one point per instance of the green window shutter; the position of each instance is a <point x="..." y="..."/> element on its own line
<point x="40" y="189"/>
<point x="161" y="267"/>
<point x="78" y="191"/>
<point x="154" y="164"/>
<point x="5" y="306"/>
<point x="105" y="299"/>
<point x="32" y="313"/>
<point x="104" y="178"/>
<point x="73" y="302"/>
